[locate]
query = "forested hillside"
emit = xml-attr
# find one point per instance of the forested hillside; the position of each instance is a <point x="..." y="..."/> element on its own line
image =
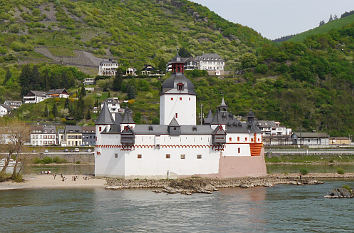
<point x="135" y="32"/>
<point x="306" y="85"/>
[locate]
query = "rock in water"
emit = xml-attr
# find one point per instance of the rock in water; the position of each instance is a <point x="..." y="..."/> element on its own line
<point x="340" y="193"/>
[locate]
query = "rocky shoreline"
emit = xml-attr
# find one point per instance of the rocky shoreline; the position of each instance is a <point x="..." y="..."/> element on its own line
<point x="192" y="185"/>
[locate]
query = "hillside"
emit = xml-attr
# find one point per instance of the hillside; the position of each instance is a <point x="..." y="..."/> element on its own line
<point x="335" y="24"/>
<point x="306" y="85"/>
<point x="135" y="32"/>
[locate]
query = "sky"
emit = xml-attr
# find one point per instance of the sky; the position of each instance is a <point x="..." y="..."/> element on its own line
<point x="277" y="18"/>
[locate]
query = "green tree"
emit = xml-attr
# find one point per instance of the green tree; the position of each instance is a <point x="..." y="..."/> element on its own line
<point x="83" y="91"/>
<point x="88" y="114"/>
<point x="54" y="110"/>
<point x="183" y="52"/>
<point x="248" y="60"/>
<point x="131" y="92"/>
<point x="46" y="111"/>
<point x="66" y="106"/>
<point x="8" y="76"/>
<point x="117" y="83"/>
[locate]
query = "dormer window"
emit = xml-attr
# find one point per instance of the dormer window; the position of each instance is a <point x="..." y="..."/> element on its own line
<point x="180" y="86"/>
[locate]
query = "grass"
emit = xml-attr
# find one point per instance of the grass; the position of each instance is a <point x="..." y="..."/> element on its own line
<point x="324" y="28"/>
<point x="304" y="171"/>
<point x="61" y="52"/>
<point x="310" y="159"/>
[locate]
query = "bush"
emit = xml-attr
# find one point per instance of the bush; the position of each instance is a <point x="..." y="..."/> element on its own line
<point x="78" y="162"/>
<point x="47" y="160"/>
<point x="37" y="160"/>
<point x="17" y="178"/>
<point x="56" y="159"/>
<point x="304" y="171"/>
<point x="340" y="171"/>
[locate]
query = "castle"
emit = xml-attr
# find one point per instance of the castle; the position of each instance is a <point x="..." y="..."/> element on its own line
<point x="221" y="147"/>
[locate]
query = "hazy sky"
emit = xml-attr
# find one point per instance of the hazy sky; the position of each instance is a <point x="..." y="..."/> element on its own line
<point x="277" y="18"/>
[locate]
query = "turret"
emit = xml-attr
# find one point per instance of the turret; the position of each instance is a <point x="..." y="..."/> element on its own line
<point x="174" y="129"/>
<point x="178" y="99"/>
<point x="127" y="119"/>
<point x="104" y="121"/>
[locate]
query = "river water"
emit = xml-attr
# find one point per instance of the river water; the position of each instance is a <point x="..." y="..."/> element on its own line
<point x="283" y="208"/>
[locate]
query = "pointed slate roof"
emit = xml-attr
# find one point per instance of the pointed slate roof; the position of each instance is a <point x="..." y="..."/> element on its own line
<point x="223" y="103"/>
<point x="174" y="123"/>
<point x="118" y="118"/>
<point x="127" y="117"/>
<point x="105" y="117"/>
<point x="209" y="118"/>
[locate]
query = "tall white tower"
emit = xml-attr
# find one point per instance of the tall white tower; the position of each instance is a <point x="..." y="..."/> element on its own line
<point x="178" y="99"/>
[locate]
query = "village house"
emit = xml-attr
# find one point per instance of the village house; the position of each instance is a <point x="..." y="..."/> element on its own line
<point x="4" y="110"/>
<point x="130" y="72"/>
<point x="61" y="137"/>
<point x="13" y="104"/>
<point x="210" y="62"/>
<point x="57" y="93"/>
<point x="108" y="68"/>
<point x="73" y="135"/>
<point x="34" y="97"/>
<point x="89" y="81"/>
<point x="149" y="70"/>
<point x="43" y="135"/>
<point x="310" y="138"/>
<point x="88" y="135"/>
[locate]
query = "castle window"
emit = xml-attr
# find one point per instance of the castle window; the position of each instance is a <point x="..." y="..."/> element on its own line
<point x="239" y="150"/>
<point x="246" y="139"/>
<point x="238" y="139"/>
<point x="116" y="156"/>
<point x="99" y="128"/>
<point x="171" y="98"/>
<point x="176" y="115"/>
<point x="180" y="98"/>
<point x="251" y="139"/>
<point x="258" y="139"/>
<point x="194" y="128"/>
<point x="230" y="139"/>
<point x="183" y="156"/>
<point x="139" y="156"/>
<point x="151" y="128"/>
<point x="199" y="156"/>
<point x="180" y="86"/>
<point x="168" y="156"/>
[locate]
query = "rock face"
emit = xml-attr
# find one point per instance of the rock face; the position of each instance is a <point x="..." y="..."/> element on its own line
<point x="340" y="193"/>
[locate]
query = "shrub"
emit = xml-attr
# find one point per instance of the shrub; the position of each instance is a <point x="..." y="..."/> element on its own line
<point x="78" y="162"/>
<point x="57" y="159"/>
<point x="340" y="171"/>
<point x="304" y="171"/>
<point x="17" y="178"/>
<point x="47" y="160"/>
<point x="37" y="160"/>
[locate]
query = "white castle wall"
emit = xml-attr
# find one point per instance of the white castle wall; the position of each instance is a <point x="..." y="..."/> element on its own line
<point x="183" y="105"/>
<point x="153" y="162"/>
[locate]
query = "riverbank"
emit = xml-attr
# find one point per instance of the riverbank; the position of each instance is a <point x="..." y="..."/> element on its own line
<point x="48" y="181"/>
<point x="82" y="181"/>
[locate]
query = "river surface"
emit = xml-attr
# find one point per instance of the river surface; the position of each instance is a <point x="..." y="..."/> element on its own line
<point x="283" y="208"/>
